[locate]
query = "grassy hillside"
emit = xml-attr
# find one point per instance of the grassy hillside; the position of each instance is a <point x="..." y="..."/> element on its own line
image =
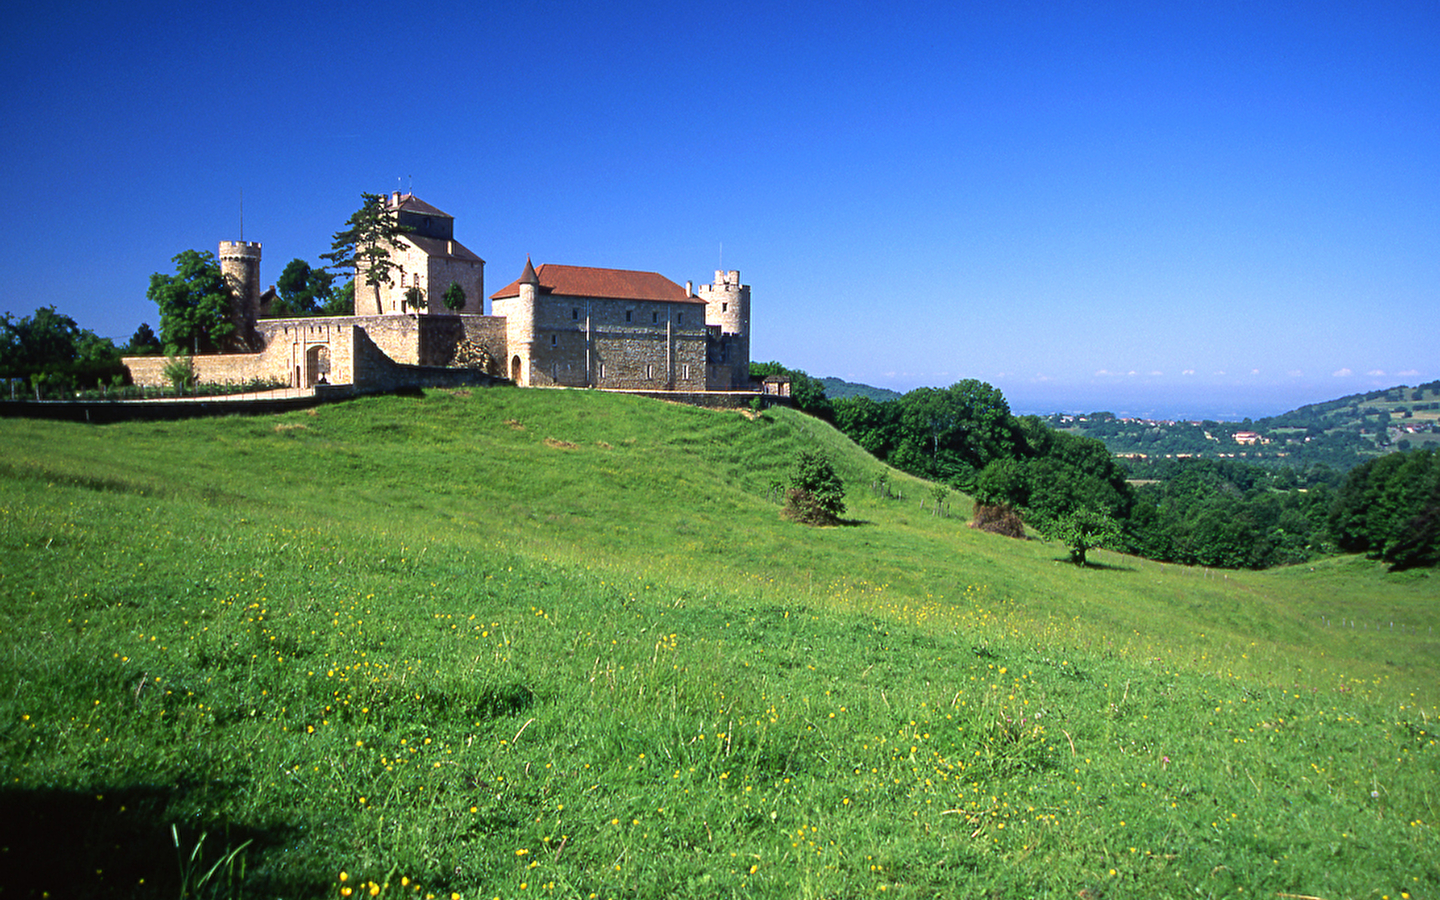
<point x="513" y="642"/>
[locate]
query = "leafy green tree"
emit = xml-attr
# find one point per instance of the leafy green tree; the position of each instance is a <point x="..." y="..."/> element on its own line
<point x="51" y="344"/>
<point x="938" y="493"/>
<point x="41" y="342"/>
<point x="179" y="369"/>
<point x="364" y="247"/>
<point x="340" y="302"/>
<point x="871" y="424"/>
<point x="454" y="297"/>
<point x="143" y="342"/>
<point x="1082" y="530"/>
<point x="950" y="434"/>
<point x="415" y="298"/>
<point x="817" y="494"/>
<point x="303" y="291"/>
<point x="97" y="359"/>
<point x="194" y="304"/>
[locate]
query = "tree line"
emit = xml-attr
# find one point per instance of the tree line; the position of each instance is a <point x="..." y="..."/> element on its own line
<point x="1222" y="513"/>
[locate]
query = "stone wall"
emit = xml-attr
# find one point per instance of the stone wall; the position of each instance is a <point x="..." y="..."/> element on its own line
<point x="302" y="352"/>
<point x="610" y="343"/>
<point x="433" y="275"/>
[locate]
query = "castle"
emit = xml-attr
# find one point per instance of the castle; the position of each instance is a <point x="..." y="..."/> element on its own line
<point x="554" y="326"/>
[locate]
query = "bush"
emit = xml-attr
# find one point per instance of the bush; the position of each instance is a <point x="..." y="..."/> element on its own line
<point x="998" y="518"/>
<point x="804" y="507"/>
<point x="816" y="495"/>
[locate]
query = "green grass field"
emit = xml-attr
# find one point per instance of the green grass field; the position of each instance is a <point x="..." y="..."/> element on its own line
<point x="511" y="643"/>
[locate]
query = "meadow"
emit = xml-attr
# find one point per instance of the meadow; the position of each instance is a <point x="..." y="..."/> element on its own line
<point x="506" y="643"/>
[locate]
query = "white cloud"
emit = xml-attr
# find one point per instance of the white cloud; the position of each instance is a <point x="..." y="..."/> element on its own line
<point x="1102" y="373"/>
<point x="1131" y="373"/>
<point x="1157" y="373"/>
<point x="1219" y="371"/>
<point x="1343" y="373"/>
<point x="1375" y="373"/>
<point x="1254" y="371"/>
<point x="1408" y="373"/>
<point x="1295" y="373"/>
<point x="1188" y="372"/>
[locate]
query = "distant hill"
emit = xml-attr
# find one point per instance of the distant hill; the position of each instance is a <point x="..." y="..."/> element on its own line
<point x="835" y="388"/>
<point x="1340" y="433"/>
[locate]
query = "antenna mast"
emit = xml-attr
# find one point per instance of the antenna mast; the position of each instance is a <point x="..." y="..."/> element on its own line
<point x="242" y="215"/>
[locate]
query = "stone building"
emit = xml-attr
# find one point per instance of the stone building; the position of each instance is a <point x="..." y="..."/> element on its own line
<point x="559" y="326"/>
<point x="429" y="259"/>
<point x="240" y="267"/>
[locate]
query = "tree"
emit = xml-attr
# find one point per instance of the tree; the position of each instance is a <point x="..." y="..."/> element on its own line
<point x="51" y="344"/>
<point x="817" y="494"/>
<point x="415" y="298"/>
<point x="194" y="304"/>
<point x="178" y="370"/>
<point x="143" y="342"/>
<point x="40" y="343"/>
<point x="341" y="302"/>
<point x="364" y="247"/>
<point x="872" y="424"/>
<point x="454" y="296"/>
<point x="303" y="291"/>
<point x="951" y="434"/>
<point x="1083" y="530"/>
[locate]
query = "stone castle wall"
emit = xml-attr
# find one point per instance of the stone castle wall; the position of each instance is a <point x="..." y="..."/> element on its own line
<point x="298" y="352"/>
<point x="617" y="344"/>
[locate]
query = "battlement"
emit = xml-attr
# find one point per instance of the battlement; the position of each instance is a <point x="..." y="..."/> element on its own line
<point x="240" y="250"/>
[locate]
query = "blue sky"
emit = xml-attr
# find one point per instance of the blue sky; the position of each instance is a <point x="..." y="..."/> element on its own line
<point x="1209" y="209"/>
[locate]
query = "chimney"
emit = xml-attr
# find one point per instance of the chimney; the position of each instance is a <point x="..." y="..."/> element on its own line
<point x="688" y="286"/>
<point x="395" y="199"/>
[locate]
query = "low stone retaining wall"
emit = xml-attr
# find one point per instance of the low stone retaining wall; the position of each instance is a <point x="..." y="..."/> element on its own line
<point x="711" y="399"/>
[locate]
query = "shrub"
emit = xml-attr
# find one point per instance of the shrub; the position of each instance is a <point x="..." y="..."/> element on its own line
<point x="816" y="495"/>
<point x="998" y="518"/>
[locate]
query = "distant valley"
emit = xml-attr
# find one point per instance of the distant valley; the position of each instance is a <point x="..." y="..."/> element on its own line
<point x="1340" y="433"/>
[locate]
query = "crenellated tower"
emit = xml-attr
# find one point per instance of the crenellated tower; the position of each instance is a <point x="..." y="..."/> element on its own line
<point x="727" y="305"/>
<point x="240" y="266"/>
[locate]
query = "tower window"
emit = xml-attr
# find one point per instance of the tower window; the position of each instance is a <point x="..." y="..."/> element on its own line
<point x="654" y="318"/>
<point x="679" y="318"/>
<point x="627" y="315"/>
<point x="574" y="315"/>
<point x="724" y="307"/>
<point x="552" y="340"/>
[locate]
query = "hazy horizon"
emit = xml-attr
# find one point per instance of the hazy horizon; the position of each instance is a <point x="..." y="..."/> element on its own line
<point x="1221" y="403"/>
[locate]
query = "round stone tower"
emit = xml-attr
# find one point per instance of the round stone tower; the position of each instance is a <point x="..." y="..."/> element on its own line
<point x="240" y="265"/>
<point x="727" y="304"/>
<point x="520" y="327"/>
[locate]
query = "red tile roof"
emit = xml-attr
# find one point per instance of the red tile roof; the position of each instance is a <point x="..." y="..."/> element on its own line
<point x="618" y="284"/>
